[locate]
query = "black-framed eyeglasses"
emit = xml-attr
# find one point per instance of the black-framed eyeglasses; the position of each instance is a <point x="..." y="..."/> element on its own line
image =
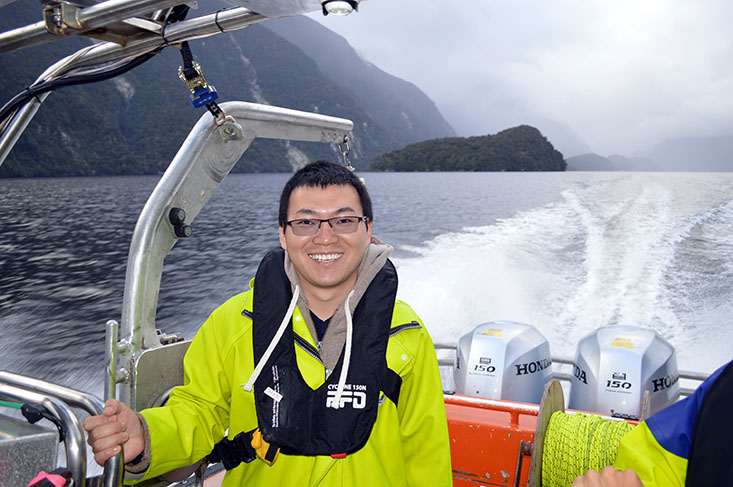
<point x="306" y="227"/>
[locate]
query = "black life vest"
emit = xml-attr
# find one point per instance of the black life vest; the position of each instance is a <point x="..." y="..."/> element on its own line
<point x="297" y="418"/>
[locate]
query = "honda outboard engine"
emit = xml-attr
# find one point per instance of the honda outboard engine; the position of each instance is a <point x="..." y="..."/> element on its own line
<point x="503" y="360"/>
<point x="615" y="365"/>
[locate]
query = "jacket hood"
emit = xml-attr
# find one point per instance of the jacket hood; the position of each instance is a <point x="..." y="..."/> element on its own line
<point x="333" y="341"/>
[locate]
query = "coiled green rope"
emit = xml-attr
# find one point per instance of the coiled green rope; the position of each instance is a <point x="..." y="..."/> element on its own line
<point x="575" y="443"/>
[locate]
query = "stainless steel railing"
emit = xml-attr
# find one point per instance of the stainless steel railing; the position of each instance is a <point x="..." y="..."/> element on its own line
<point x="58" y="400"/>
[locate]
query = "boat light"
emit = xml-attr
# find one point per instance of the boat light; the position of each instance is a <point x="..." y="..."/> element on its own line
<point x="339" y="7"/>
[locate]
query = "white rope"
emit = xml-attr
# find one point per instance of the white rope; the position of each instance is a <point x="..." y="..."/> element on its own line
<point x="273" y="343"/>
<point x="347" y="354"/>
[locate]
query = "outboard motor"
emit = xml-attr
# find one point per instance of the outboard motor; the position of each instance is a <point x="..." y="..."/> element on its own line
<point x="613" y="367"/>
<point x="503" y="360"/>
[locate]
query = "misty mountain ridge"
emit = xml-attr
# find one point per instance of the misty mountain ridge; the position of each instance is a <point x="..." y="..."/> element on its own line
<point x="595" y="162"/>
<point x="135" y="123"/>
<point x="714" y="153"/>
<point x="408" y="113"/>
<point x="705" y="154"/>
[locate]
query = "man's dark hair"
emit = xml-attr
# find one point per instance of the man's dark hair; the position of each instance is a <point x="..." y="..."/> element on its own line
<point x="323" y="174"/>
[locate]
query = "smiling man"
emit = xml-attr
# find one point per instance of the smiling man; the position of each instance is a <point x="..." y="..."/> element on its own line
<point x="315" y="376"/>
<point x="325" y="231"/>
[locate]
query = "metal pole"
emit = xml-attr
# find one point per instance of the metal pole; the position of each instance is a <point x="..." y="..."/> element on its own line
<point x="114" y="467"/>
<point x="18" y="124"/>
<point x="74" y="398"/>
<point x="196" y="28"/>
<point x="88" y="18"/>
<point x="104" y="13"/>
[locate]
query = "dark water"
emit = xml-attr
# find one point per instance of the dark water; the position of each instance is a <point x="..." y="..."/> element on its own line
<point x="567" y="252"/>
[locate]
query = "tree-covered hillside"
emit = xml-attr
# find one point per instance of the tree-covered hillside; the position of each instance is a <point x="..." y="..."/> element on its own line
<point x="135" y="123"/>
<point x="521" y="148"/>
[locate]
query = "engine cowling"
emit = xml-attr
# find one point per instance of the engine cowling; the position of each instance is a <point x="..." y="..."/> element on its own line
<point x="615" y="364"/>
<point x="503" y="360"/>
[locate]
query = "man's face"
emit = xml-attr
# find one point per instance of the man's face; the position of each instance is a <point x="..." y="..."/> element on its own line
<point x="326" y="261"/>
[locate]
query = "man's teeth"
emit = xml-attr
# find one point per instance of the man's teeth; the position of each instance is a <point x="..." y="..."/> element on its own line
<point x="325" y="257"/>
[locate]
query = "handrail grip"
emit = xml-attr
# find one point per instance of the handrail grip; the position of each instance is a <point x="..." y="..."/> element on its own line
<point x="74" y="442"/>
<point x="82" y="400"/>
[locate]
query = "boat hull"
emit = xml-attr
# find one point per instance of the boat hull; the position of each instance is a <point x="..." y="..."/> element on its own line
<point x="486" y="437"/>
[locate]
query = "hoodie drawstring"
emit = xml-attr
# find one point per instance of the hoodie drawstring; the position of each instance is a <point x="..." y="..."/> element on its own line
<point x="347" y="353"/>
<point x="273" y="343"/>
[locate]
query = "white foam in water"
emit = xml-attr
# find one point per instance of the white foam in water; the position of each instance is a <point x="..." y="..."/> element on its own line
<point x="610" y="253"/>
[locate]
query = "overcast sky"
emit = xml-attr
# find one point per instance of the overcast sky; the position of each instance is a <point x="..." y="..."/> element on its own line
<point x="620" y="74"/>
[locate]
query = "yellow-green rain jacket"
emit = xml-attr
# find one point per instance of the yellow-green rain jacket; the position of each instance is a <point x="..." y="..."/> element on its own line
<point x="408" y="446"/>
<point x="688" y="442"/>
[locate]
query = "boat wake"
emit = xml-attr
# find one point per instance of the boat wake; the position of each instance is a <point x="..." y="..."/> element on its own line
<point x="650" y="250"/>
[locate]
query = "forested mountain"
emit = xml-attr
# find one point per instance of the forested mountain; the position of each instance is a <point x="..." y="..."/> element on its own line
<point x="135" y="123"/>
<point x="404" y="111"/>
<point x="521" y="148"/>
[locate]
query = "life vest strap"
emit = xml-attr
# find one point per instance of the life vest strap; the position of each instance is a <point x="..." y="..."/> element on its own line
<point x="243" y="448"/>
<point x="391" y="385"/>
<point x="235" y="451"/>
<point x="265" y="451"/>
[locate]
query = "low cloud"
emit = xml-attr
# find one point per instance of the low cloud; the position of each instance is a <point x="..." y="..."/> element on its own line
<point x="621" y="75"/>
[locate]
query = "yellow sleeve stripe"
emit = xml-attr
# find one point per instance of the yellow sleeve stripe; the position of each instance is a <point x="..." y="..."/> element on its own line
<point x="655" y="466"/>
